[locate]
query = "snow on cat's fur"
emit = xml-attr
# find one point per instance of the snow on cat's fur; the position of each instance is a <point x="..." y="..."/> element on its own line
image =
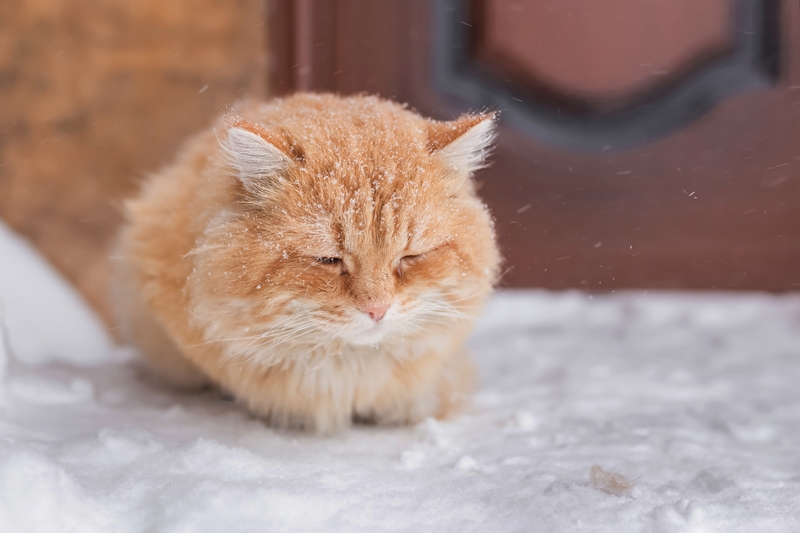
<point x="321" y="258"/>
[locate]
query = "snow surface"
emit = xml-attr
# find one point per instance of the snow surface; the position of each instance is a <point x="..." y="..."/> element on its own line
<point x="48" y="317"/>
<point x="695" y="399"/>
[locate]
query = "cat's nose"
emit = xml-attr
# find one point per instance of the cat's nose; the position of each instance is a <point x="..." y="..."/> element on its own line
<point x="376" y="312"/>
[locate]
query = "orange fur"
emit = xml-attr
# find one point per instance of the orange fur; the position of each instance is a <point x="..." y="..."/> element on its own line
<point x="252" y="261"/>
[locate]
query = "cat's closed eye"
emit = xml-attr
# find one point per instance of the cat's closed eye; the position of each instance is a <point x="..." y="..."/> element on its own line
<point x="408" y="261"/>
<point x="413" y="258"/>
<point x="333" y="263"/>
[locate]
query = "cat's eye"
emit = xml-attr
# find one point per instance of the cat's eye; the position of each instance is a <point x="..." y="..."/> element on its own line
<point x="328" y="260"/>
<point x="405" y="261"/>
<point x="334" y="264"/>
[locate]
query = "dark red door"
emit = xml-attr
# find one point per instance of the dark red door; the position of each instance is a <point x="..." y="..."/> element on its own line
<point x="643" y="144"/>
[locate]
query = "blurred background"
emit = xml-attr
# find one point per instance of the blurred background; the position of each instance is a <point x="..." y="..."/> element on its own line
<point x="643" y="143"/>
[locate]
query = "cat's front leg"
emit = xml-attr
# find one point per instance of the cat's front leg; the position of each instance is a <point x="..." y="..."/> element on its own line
<point x="414" y="394"/>
<point x="455" y="384"/>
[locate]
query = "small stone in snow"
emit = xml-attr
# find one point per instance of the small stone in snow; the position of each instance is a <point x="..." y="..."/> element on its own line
<point x="610" y="482"/>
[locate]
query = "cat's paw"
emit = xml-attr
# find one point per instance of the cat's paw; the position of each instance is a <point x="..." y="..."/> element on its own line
<point x="401" y="412"/>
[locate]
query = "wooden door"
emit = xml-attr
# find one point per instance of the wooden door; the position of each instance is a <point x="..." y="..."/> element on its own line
<point x="642" y="144"/>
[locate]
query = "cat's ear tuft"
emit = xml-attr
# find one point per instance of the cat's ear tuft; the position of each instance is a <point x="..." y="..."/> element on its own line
<point x="463" y="144"/>
<point x="256" y="154"/>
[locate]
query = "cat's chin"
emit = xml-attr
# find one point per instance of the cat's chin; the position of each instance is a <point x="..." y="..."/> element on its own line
<point x="370" y="337"/>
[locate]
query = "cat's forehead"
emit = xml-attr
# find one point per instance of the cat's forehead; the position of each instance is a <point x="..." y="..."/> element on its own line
<point x="367" y="177"/>
<point x="379" y="154"/>
<point x="340" y="218"/>
<point x="400" y="223"/>
<point x="359" y="129"/>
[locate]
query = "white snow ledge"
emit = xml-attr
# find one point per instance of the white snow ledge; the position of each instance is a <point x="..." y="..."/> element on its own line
<point x="45" y="317"/>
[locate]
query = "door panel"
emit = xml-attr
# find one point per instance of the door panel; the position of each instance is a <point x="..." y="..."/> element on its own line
<point x="583" y="48"/>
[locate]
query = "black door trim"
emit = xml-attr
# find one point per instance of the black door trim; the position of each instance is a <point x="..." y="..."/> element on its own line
<point x="753" y="63"/>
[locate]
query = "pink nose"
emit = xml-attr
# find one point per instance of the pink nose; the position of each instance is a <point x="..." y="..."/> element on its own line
<point x="376" y="312"/>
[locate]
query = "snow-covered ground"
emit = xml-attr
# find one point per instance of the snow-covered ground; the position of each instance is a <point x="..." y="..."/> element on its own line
<point x="694" y="398"/>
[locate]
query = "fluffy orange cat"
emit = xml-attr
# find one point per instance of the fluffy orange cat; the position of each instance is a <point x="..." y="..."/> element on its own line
<point x="321" y="258"/>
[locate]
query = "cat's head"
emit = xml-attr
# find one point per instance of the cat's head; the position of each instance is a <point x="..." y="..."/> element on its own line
<point x="353" y="219"/>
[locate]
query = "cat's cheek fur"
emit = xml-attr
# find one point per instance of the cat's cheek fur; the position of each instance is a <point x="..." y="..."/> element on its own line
<point x="217" y="262"/>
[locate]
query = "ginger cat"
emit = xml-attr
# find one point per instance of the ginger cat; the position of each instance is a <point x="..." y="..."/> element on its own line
<point x="321" y="258"/>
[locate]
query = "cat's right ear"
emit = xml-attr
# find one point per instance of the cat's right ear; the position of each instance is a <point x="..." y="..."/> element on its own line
<point x="257" y="155"/>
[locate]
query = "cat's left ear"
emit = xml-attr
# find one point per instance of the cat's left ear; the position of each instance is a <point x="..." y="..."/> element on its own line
<point x="257" y="154"/>
<point x="463" y="144"/>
